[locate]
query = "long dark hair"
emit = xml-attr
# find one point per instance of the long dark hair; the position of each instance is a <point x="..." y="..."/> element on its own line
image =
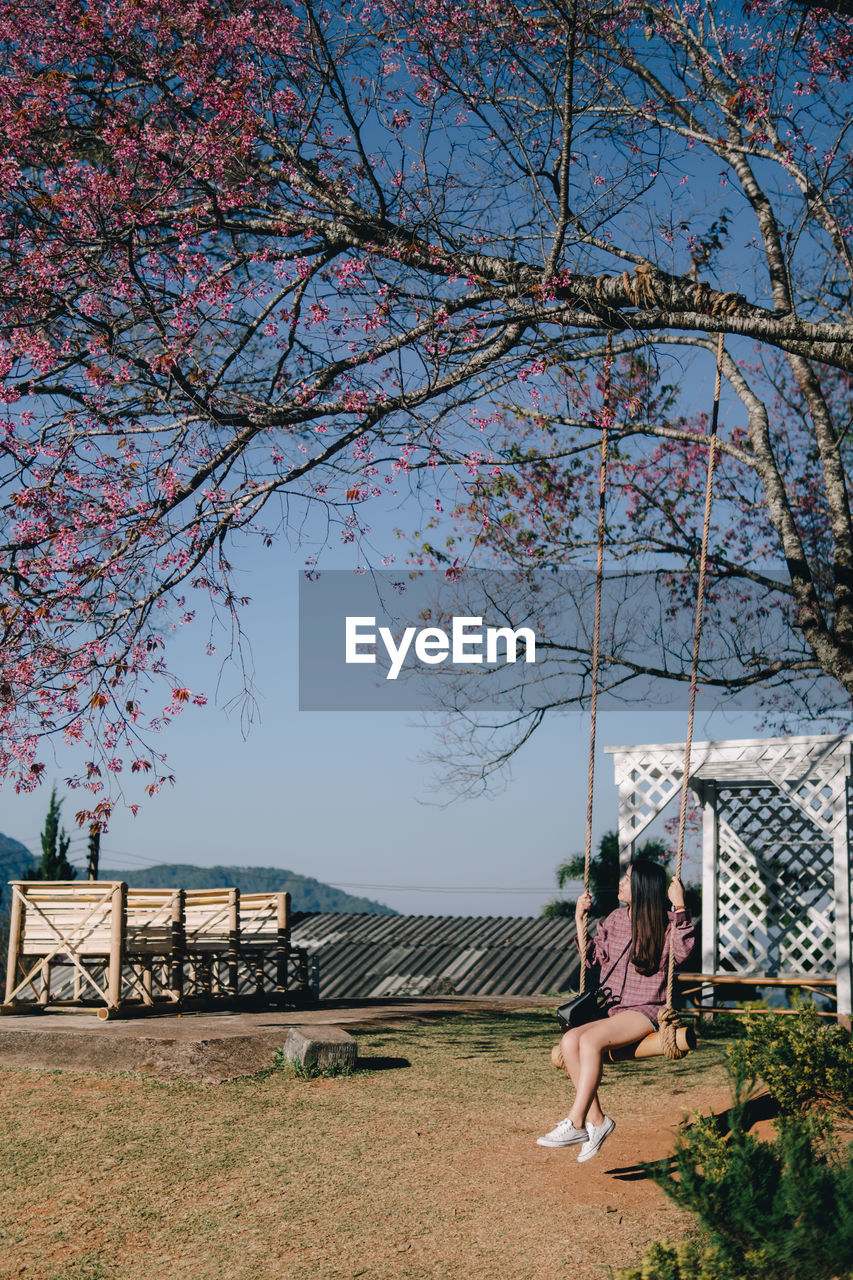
<point x="649" y="914"/>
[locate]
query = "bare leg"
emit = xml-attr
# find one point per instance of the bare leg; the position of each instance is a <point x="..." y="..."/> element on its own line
<point x="570" y="1049"/>
<point x="622" y="1028"/>
<point x="570" y="1053"/>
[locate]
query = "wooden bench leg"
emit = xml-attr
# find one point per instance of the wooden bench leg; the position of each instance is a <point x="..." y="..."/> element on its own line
<point x="44" y="994"/>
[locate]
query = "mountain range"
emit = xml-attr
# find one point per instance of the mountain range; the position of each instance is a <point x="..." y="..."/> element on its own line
<point x="307" y="894"/>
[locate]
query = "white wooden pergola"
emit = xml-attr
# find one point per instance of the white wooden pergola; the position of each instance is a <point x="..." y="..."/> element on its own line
<point x="776" y="848"/>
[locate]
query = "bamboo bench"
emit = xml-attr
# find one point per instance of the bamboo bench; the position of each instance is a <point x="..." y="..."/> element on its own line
<point x="55" y="922"/>
<point x="265" y="939"/>
<point x="153" y="943"/>
<point x="211" y="943"/>
<point x="81" y="942"/>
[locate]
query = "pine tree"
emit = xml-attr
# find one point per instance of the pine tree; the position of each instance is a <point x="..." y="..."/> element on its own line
<point x="55" y="843"/>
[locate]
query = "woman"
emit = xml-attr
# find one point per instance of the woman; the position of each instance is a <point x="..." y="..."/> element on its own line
<point x="636" y="943"/>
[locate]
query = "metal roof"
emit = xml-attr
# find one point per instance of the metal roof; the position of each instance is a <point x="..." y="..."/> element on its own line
<point x="370" y="955"/>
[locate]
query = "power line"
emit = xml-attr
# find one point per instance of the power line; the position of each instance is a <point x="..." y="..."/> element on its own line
<point x="136" y="857"/>
<point x="348" y="884"/>
<point x="440" y="888"/>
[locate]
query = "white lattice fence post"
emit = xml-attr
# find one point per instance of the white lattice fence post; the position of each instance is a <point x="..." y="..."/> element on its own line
<point x="709" y="882"/>
<point x="842" y="869"/>
<point x="627" y="801"/>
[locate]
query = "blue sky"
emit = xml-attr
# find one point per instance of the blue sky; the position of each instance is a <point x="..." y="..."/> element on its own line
<point x="350" y="797"/>
<point x="347" y="796"/>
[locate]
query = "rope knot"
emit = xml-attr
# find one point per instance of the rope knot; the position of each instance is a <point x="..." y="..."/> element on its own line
<point x="669" y="1022"/>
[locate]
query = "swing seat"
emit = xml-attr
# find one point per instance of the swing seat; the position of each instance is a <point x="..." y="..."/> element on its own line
<point x="651" y="1046"/>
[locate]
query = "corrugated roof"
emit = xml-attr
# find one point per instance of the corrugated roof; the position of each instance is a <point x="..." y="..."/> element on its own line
<point x="370" y="956"/>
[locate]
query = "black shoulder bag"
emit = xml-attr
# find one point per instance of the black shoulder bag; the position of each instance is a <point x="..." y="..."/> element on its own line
<point x="589" y="1005"/>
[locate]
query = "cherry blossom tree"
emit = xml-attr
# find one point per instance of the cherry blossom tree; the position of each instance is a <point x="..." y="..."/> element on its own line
<point x="658" y="100"/>
<point x="265" y="256"/>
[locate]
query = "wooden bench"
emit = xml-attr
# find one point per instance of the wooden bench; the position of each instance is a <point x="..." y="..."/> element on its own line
<point x="67" y="922"/>
<point x="265" y="939"/>
<point x="237" y="946"/>
<point x="744" y="986"/>
<point x="120" y="944"/>
<point x="211" y="942"/>
<point x="154" y="943"/>
<point x="122" y="948"/>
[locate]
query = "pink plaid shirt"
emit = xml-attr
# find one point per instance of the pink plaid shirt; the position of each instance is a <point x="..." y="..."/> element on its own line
<point x="631" y="990"/>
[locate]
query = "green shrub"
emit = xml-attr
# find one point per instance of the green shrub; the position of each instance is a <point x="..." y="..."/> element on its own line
<point x="686" y="1261"/>
<point x="802" y="1060"/>
<point x="778" y="1209"/>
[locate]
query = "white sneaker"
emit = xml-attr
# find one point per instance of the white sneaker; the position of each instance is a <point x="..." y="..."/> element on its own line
<point x="597" y="1134"/>
<point x="563" y="1135"/>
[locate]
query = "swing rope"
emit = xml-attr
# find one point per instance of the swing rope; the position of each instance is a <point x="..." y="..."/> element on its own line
<point x="596" y="633"/>
<point x="669" y="1018"/>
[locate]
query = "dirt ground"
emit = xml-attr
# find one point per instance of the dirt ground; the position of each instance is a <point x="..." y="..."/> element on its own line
<point x="421" y="1165"/>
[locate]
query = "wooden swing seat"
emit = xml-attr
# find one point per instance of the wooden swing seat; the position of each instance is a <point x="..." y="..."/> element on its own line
<point x="651" y="1046"/>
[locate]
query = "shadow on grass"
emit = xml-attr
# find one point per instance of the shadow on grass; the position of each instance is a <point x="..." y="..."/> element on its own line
<point x="638" y="1172"/>
<point x="380" y="1063"/>
<point x="762" y="1107"/>
<point x="499" y="1028"/>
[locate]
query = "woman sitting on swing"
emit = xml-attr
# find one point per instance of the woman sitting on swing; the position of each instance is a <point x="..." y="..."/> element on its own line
<point x="635" y="940"/>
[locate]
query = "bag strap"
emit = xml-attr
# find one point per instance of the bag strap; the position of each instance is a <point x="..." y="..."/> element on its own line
<point x="601" y="981"/>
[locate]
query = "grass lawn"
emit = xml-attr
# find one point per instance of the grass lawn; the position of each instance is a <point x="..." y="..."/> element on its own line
<point x="421" y="1164"/>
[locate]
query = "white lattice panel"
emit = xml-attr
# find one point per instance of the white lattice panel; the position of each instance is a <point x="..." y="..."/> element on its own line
<point x="812" y="775"/>
<point x="742" y="933"/>
<point x="777" y="846"/>
<point x="647" y="781"/>
<point x="775" y="870"/>
<point x="812" y="772"/>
